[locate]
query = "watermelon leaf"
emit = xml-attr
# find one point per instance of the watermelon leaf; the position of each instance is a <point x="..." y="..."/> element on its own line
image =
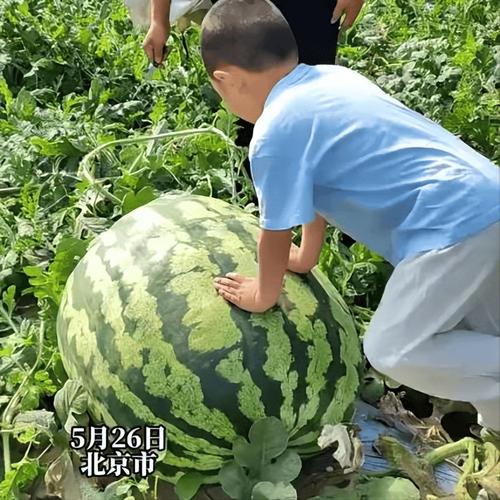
<point x="385" y="488"/>
<point x="35" y="422"/>
<point x="188" y="485"/>
<point x="270" y="491"/>
<point x="234" y="481"/>
<point x="263" y="461"/>
<point x="268" y="440"/>
<point x="118" y="489"/>
<point x="245" y="454"/>
<point x="71" y="404"/>
<point x="21" y="475"/>
<point x="285" y="469"/>
<point x="270" y="437"/>
<point x="131" y="201"/>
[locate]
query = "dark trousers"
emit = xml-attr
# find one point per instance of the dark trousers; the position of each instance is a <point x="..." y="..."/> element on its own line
<point x="316" y="39"/>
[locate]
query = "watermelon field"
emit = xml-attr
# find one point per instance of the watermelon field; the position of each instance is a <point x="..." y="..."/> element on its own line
<point x="123" y="192"/>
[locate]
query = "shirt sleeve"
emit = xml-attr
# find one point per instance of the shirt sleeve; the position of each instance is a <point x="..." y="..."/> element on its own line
<point x="284" y="191"/>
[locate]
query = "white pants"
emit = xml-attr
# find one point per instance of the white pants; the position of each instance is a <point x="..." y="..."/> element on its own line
<point x="437" y="328"/>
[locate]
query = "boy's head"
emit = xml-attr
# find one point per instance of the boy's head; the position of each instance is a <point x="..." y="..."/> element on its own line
<point x="247" y="46"/>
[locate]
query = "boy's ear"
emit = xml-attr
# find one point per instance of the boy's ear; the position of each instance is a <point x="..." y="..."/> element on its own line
<point x="220" y="76"/>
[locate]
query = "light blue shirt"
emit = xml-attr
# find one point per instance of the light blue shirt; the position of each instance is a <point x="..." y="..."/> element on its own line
<point x="331" y="142"/>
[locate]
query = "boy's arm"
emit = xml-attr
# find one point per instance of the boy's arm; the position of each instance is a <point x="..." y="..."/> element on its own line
<point x="273" y="251"/>
<point x="285" y="190"/>
<point x="159" y="30"/>
<point x="261" y="293"/>
<point x="303" y="259"/>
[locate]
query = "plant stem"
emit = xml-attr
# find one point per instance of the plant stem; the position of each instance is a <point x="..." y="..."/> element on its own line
<point x="9" y="191"/>
<point x="11" y="407"/>
<point x="469" y="466"/>
<point x="145" y="138"/>
<point x="87" y="173"/>
<point x="17" y="471"/>
<point x="446" y="451"/>
<point x="155" y="492"/>
<point x="8" y="319"/>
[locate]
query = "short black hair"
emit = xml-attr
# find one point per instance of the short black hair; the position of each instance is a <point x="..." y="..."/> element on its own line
<point x="249" y="34"/>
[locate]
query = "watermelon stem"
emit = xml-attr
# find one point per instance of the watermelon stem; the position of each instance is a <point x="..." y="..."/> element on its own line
<point x="10" y="410"/>
<point x="449" y="450"/>
<point x="86" y="170"/>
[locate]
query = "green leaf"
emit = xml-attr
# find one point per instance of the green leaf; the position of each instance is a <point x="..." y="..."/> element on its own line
<point x="24" y="105"/>
<point x="131" y="201"/>
<point x="59" y="147"/>
<point x="386" y="488"/>
<point x="234" y="481"/>
<point x="31" y="398"/>
<point x="271" y="491"/>
<point x="123" y="489"/>
<point x="270" y="437"/>
<point x="188" y="485"/>
<point x="69" y="251"/>
<point x="143" y="486"/>
<point x="9" y="300"/>
<point x="39" y="420"/>
<point x="51" y="283"/>
<point x="5" y="92"/>
<point x="69" y="401"/>
<point x="117" y="489"/>
<point x="268" y="440"/>
<point x="285" y="469"/>
<point x="19" y="478"/>
<point x="245" y="454"/>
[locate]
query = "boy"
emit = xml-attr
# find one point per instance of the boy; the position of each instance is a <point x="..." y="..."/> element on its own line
<point x="329" y="146"/>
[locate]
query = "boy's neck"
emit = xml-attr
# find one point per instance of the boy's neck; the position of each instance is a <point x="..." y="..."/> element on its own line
<point x="264" y="81"/>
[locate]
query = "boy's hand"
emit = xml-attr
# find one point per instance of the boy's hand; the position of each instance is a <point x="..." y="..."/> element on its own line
<point x="155" y="40"/>
<point x="262" y="293"/>
<point x="242" y="292"/>
<point x="348" y="8"/>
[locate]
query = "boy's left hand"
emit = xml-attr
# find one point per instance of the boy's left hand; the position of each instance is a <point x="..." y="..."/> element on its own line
<point x="242" y="292"/>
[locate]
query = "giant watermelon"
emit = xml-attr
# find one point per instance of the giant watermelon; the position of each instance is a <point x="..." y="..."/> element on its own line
<point x="142" y="327"/>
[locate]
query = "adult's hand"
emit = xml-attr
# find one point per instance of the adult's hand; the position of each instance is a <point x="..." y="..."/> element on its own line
<point x="155" y="40"/>
<point x="349" y="9"/>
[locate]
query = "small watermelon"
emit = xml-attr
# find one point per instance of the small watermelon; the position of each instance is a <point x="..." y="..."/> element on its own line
<point x="143" y="329"/>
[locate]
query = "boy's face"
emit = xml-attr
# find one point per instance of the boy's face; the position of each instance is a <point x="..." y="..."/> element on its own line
<point x="233" y="86"/>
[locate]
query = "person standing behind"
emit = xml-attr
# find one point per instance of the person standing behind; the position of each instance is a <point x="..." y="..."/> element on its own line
<point x="315" y="26"/>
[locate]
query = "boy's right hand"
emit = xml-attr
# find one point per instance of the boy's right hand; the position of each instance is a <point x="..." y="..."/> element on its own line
<point x="155" y="40"/>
